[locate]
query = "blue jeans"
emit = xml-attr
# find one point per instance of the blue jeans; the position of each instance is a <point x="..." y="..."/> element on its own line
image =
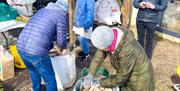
<point x="39" y="66"/>
<point x="146" y="29"/>
<point x="84" y="44"/>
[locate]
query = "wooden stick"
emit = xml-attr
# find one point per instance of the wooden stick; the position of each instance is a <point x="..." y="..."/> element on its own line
<point x="71" y="14"/>
<point x="125" y="12"/>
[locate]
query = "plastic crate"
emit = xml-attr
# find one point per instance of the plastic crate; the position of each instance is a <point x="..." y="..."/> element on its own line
<point x="7" y="12"/>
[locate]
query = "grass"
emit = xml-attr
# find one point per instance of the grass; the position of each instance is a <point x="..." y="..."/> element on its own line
<point x="1" y="89"/>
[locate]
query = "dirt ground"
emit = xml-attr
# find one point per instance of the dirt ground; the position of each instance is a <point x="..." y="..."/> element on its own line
<point x="166" y="58"/>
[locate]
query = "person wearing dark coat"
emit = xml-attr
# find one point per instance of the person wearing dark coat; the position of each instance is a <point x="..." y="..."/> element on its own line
<point x="147" y="20"/>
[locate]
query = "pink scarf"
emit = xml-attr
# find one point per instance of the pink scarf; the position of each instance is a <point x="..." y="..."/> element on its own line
<point x="112" y="47"/>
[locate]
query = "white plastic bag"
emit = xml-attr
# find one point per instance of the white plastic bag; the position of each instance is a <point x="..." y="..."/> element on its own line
<point x="80" y="31"/>
<point x="22" y="2"/>
<point x="25" y="9"/>
<point x="65" y="70"/>
<point x="107" y="12"/>
<point x="6" y="64"/>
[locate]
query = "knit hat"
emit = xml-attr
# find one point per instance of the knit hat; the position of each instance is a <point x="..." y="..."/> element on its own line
<point x="102" y="37"/>
<point x="64" y="4"/>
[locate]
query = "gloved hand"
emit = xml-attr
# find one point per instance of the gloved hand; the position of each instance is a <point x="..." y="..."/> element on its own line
<point x="95" y="84"/>
<point x="85" y="33"/>
<point x="87" y="81"/>
<point x="78" y="30"/>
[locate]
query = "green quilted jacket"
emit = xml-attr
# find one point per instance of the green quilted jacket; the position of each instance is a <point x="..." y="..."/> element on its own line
<point x="134" y="71"/>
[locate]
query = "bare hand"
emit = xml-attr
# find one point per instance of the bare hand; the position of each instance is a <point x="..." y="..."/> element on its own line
<point x="64" y="52"/>
<point x="149" y="5"/>
<point x="143" y="4"/>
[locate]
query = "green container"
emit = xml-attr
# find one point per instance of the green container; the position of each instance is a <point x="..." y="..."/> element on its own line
<point x="7" y="13"/>
<point x="101" y="71"/>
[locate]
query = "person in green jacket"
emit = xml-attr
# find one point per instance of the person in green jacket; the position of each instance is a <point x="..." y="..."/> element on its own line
<point x="134" y="71"/>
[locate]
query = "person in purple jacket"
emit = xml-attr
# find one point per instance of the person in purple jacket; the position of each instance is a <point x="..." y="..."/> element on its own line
<point x="36" y="39"/>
